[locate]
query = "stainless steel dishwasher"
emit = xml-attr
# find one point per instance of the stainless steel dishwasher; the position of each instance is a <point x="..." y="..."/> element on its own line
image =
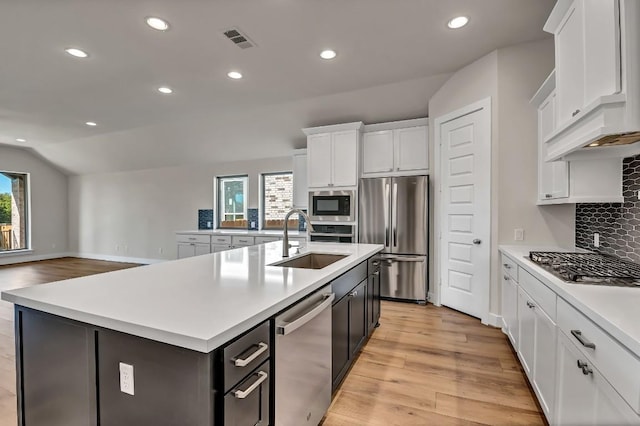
<point x="303" y="361"/>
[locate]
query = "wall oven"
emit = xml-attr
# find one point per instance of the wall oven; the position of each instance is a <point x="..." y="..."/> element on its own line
<point x="333" y="233"/>
<point x="332" y="206"/>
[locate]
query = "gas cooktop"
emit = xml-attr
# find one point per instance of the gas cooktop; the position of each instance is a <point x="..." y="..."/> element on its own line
<point x="589" y="268"/>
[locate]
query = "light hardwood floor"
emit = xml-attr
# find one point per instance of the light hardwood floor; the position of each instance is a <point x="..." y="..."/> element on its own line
<point x="422" y="366"/>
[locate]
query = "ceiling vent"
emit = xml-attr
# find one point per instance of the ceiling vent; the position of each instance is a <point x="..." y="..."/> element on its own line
<point x="240" y="39"/>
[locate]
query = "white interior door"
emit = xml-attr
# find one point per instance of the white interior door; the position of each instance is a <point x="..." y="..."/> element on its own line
<point x="465" y="224"/>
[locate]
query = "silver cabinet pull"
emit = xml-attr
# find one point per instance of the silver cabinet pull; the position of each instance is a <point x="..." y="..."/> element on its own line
<point x="506" y="277"/>
<point x="547" y="195"/>
<point x="239" y="362"/>
<point x="506" y="265"/>
<point x="530" y="305"/>
<point x="578" y="335"/>
<point x="576" y="112"/>
<point x="354" y="293"/>
<point x="477" y="241"/>
<point x="192" y="239"/>
<point x="377" y="272"/>
<point x="394" y="196"/>
<point x="584" y="367"/>
<point x="245" y="393"/>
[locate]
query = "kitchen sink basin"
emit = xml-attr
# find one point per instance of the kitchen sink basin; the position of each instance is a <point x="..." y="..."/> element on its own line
<point x="310" y="261"/>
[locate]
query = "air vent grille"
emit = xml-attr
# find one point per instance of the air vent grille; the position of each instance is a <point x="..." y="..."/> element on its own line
<point x="238" y="38"/>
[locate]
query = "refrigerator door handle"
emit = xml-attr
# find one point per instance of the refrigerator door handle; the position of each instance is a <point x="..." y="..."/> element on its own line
<point x="386" y="215"/>
<point x="390" y="260"/>
<point x="394" y="214"/>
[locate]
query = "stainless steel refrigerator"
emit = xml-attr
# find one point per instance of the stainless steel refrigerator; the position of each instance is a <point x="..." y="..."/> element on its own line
<point x="394" y="212"/>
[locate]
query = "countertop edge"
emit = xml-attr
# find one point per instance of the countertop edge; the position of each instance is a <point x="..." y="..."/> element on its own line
<point x="514" y="253"/>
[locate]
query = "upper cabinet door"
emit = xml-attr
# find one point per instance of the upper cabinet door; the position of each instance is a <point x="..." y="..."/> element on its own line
<point x="319" y="169"/>
<point x="377" y="149"/>
<point x="345" y="158"/>
<point x="411" y="149"/>
<point x="569" y="40"/>
<point x="300" y="187"/>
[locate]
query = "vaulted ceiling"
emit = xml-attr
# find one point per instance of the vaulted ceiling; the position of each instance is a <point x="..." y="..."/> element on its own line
<point x="392" y="56"/>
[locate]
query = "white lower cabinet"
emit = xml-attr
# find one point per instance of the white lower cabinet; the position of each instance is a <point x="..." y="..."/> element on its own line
<point x="192" y="249"/>
<point x="584" y="395"/>
<point x="526" y="332"/>
<point x="544" y="360"/>
<point x="510" y="308"/>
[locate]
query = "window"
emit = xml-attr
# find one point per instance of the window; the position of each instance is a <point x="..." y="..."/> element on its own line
<point x="277" y="200"/>
<point x="14" y="217"/>
<point x="232" y="202"/>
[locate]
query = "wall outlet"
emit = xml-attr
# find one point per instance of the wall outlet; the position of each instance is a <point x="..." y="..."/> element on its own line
<point x="126" y="378"/>
<point x="518" y="234"/>
<point x="596" y="239"/>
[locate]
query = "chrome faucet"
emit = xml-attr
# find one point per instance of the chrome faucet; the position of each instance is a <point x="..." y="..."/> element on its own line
<point x="285" y="238"/>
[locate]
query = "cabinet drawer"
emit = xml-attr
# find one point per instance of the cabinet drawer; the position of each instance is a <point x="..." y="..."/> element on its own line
<point x="346" y="282"/>
<point x="510" y="267"/>
<point x="543" y="296"/>
<point x="241" y="241"/>
<point x="193" y="238"/>
<point x="248" y="402"/>
<point x="220" y="239"/>
<point x="619" y="366"/>
<point x="245" y="354"/>
<point x="263" y="240"/>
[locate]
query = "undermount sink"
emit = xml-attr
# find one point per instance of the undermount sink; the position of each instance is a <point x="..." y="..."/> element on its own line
<point x="310" y="261"/>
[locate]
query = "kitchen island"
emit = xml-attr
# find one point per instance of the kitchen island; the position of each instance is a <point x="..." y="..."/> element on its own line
<point x="154" y="345"/>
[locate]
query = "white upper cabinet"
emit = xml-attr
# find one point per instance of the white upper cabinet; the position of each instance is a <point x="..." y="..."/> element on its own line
<point x="597" y="55"/>
<point x="300" y="187"/>
<point x="396" y="148"/>
<point x="332" y="155"/>
<point x="584" y="181"/>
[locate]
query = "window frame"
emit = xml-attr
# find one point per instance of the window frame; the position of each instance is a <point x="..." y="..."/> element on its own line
<point x="27" y="208"/>
<point x="263" y="202"/>
<point x="219" y="212"/>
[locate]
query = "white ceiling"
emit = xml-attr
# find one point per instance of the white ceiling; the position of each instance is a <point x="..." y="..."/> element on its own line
<point x="392" y="56"/>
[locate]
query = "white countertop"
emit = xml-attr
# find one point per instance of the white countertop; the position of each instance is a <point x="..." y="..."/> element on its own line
<point x="197" y="303"/>
<point x="615" y="309"/>
<point x="261" y="233"/>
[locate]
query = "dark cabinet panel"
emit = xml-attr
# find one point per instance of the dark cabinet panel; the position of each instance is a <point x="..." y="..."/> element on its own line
<point x="172" y="385"/>
<point x="56" y="370"/>
<point x="357" y="317"/>
<point x="373" y="297"/>
<point x="245" y="354"/>
<point x="340" y="339"/>
<point x="247" y="404"/>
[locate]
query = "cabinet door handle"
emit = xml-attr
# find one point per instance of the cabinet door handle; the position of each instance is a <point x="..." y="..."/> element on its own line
<point x="506" y="265"/>
<point x="530" y="305"/>
<point x="506" y="277"/>
<point x="245" y="393"/>
<point x="377" y="272"/>
<point x="239" y="362"/>
<point x="584" y="367"/>
<point x="576" y="112"/>
<point x="354" y="293"/>
<point x="548" y="195"/>
<point x="578" y="335"/>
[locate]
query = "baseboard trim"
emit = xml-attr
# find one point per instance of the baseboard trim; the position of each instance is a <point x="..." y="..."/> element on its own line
<point x="23" y="258"/>
<point x="123" y="259"/>
<point x="495" y="320"/>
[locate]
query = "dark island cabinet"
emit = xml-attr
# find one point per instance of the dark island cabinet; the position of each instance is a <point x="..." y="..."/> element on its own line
<point x="373" y="294"/>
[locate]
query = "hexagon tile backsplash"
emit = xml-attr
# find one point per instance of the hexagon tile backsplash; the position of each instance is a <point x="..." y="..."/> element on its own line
<point x="617" y="223"/>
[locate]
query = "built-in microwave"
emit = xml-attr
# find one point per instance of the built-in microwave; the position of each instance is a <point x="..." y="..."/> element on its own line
<point x="332" y="206"/>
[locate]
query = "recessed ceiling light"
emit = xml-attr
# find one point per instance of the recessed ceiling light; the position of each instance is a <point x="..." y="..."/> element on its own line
<point x="594" y="144"/>
<point x="76" y="52"/>
<point x="20" y="140"/>
<point x="157" y="23"/>
<point x="91" y="123"/>
<point x="234" y="75"/>
<point x="165" y="90"/>
<point x="328" y="54"/>
<point x="458" y="22"/>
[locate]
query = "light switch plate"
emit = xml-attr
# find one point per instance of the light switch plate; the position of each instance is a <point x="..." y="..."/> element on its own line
<point x="126" y="378"/>
<point x="518" y="234"/>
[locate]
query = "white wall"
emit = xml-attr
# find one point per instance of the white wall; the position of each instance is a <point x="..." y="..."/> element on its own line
<point x="140" y="211"/>
<point x="510" y="76"/>
<point x="48" y="204"/>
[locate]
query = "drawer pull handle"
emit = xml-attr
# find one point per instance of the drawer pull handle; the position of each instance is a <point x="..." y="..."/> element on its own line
<point x="245" y="393"/>
<point x="192" y="239"/>
<point x="530" y="305"/>
<point x="506" y="265"/>
<point x="239" y="362"/>
<point x="506" y="277"/>
<point x="574" y="113"/>
<point x="584" y="367"/>
<point x="578" y="335"/>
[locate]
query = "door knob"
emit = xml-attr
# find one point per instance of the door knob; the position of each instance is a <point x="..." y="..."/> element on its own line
<point x="476" y="241"/>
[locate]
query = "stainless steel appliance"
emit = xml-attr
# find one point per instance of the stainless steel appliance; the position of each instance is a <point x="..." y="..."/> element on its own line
<point x="394" y="212"/>
<point x="303" y="361"/>
<point x="332" y="206"/>
<point x="332" y="233"/>
<point x="589" y="268"/>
